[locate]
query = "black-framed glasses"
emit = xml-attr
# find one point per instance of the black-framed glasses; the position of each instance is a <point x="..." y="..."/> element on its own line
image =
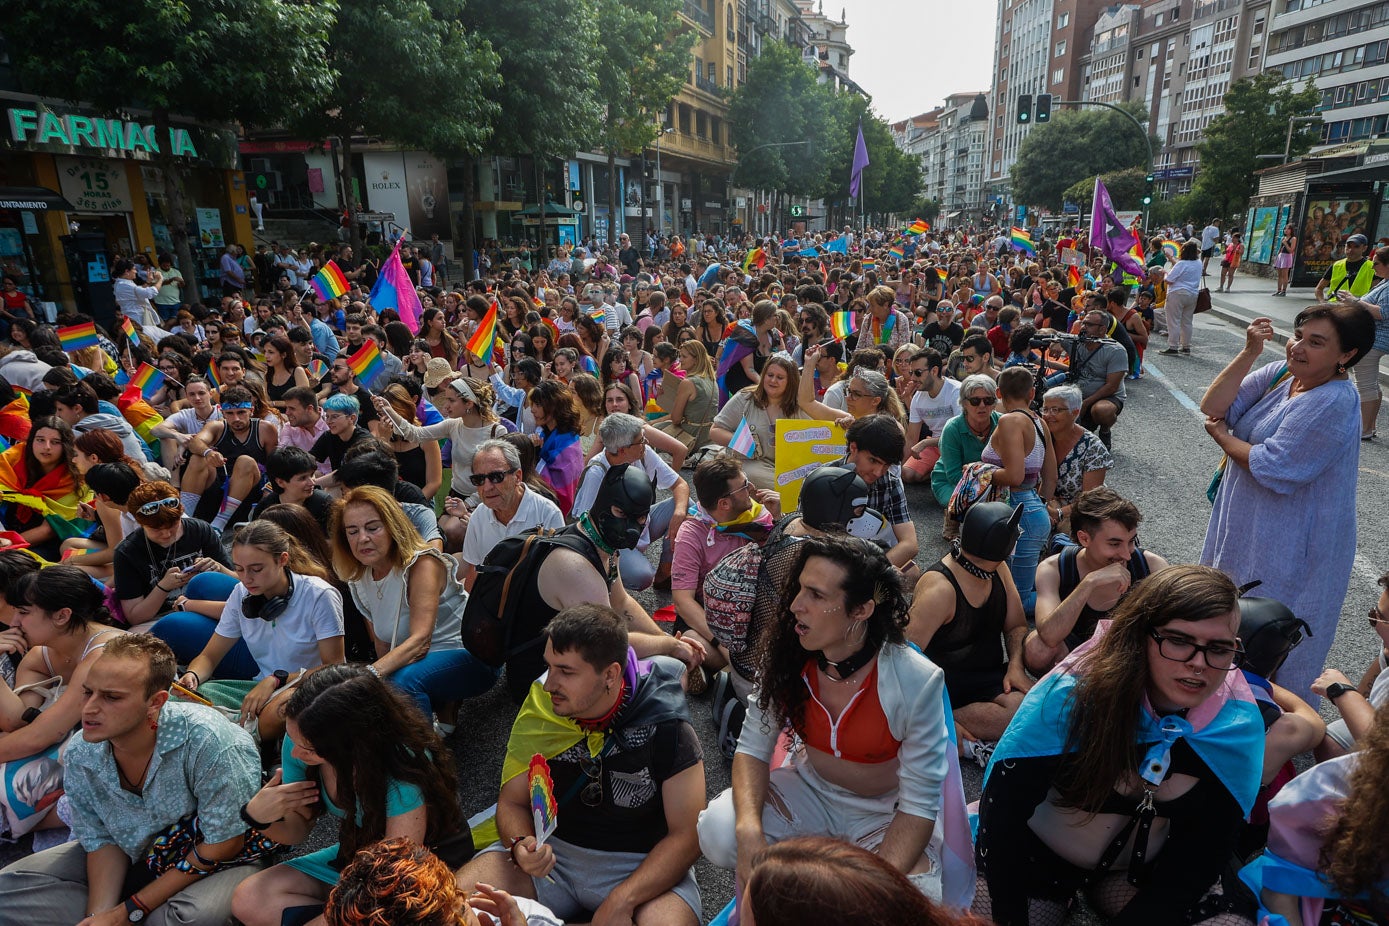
<point x="916" y="374"/>
<point x="977" y="400"/>
<point x="154" y="507"/>
<point x="592" y="766"/>
<point x="1377" y="616"/>
<point x="1217" y="655"/>
<point x="495" y="478"/>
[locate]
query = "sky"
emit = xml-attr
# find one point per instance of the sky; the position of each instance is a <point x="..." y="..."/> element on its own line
<point x="910" y="54"/>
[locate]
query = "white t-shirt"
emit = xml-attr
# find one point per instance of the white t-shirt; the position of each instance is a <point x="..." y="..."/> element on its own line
<point x="834" y="395"/>
<point x="658" y="470"/>
<point x="186" y="421"/>
<point x="485" y="532"/>
<point x="289" y="642"/>
<point x="934" y="413"/>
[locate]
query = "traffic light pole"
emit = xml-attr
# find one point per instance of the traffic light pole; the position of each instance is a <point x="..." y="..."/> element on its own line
<point x="1147" y="139"/>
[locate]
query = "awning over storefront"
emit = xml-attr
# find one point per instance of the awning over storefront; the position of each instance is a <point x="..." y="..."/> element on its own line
<point x="37" y="198"/>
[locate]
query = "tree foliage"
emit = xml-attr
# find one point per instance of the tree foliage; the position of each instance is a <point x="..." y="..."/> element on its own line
<point x="257" y="62"/>
<point x="1126" y="189"/>
<point x="1255" y="122"/>
<point x="642" y="61"/>
<point x="1074" y="145"/>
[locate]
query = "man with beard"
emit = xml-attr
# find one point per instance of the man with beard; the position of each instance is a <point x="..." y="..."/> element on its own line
<point x="233" y="449"/>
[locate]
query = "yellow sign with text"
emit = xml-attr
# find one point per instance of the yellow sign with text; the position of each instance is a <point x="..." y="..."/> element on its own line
<point x="802" y="447"/>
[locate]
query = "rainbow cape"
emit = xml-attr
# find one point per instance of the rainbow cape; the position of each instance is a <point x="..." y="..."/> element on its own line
<point x="367" y="364"/>
<point x="53" y="496"/>
<point x="1022" y="241"/>
<point x="329" y="282"/>
<point x="484" y="339"/>
<point x="78" y="337"/>
<point x="140" y="414"/>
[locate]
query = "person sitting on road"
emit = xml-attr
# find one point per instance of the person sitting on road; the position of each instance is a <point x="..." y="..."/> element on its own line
<point x="509" y="505"/>
<point x="1079" y="586"/>
<point x="979" y="645"/>
<point x="963" y="440"/>
<point x="1357" y="703"/>
<point x="1099" y="370"/>
<point x="876" y="444"/>
<point x="227" y="457"/>
<point x="934" y="401"/>
<point x="628" y="770"/>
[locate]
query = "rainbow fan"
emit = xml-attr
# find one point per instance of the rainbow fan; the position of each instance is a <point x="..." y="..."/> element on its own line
<point x="544" y="808"/>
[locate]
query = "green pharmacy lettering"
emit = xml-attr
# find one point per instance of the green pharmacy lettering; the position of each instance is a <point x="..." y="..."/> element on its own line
<point x="29" y="126"/>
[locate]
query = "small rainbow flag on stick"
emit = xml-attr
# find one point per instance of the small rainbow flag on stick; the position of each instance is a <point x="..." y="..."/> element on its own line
<point x="757" y="257"/>
<point x="128" y="328"/>
<point x="868" y="264"/>
<point x="1073" y="276"/>
<point x="943" y="274"/>
<point x="484" y="339"/>
<point x="897" y="252"/>
<point x="367" y="364"/>
<point x="213" y="379"/>
<point x="329" y="282"/>
<point x="919" y="227"/>
<point x="743" y="441"/>
<point x="544" y="807"/>
<point x="148" y="379"/>
<point x="1022" y="241"/>
<point x="78" y="337"/>
<point x="843" y="324"/>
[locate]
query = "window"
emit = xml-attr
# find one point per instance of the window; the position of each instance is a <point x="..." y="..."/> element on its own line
<point x="730" y="77"/>
<point x="1157" y="19"/>
<point x="1060" y="49"/>
<point x="1058" y="75"/>
<point x="1063" y="20"/>
<point x="1176" y="13"/>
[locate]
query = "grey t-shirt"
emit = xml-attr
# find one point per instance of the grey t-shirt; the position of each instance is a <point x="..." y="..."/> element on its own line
<point x="1092" y="368"/>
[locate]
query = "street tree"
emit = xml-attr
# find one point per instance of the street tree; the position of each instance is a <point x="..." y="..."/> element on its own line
<point x="547" y="103"/>
<point x="1075" y="144"/>
<point x="893" y="181"/>
<point x="195" y="60"/>
<point x="1255" y="122"/>
<point x="643" y="59"/>
<point x="412" y="74"/>
<point x="1126" y="188"/>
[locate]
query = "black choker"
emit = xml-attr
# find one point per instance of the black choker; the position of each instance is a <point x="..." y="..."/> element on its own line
<point x="968" y="566"/>
<point x="847" y="667"/>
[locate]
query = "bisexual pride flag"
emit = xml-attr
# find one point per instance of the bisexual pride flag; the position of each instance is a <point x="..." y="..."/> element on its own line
<point x="393" y="290"/>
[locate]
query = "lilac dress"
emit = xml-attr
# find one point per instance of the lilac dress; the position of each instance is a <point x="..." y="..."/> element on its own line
<point x="1289" y="519"/>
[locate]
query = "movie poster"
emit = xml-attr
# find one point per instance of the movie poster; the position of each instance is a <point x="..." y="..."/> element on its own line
<point x="1262" y="234"/>
<point x="1327" y="222"/>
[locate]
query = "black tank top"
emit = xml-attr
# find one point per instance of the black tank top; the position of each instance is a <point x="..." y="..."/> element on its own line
<point x="972" y="641"/>
<point x="232" y="449"/>
<point x="1069" y="578"/>
<point x="277" y="393"/>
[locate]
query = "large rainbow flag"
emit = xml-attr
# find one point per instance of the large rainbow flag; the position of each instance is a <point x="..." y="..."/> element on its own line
<point x="484" y="339"/>
<point x="329" y="282"/>
<point x="78" y="337"/>
<point x="1022" y="241"/>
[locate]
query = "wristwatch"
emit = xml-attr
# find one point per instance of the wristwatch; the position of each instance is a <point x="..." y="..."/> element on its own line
<point x="134" y="913"/>
<point x="1336" y="689"/>
<point x="280" y="676"/>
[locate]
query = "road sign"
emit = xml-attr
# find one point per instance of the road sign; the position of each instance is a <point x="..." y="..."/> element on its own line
<point x="798" y="210"/>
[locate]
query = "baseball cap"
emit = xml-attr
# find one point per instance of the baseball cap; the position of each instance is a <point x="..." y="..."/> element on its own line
<point x="1358" y="239"/>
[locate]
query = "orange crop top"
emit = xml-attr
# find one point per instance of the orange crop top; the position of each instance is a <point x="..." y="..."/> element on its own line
<point x="861" y="733"/>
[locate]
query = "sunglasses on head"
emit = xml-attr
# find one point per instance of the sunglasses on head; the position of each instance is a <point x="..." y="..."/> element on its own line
<point x="977" y="400"/>
<point x="154" y="507"/>
<point x="495" y="478"/>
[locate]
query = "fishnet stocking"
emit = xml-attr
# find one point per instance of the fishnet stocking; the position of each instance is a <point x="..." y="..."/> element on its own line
<point x="1039" y="912"/>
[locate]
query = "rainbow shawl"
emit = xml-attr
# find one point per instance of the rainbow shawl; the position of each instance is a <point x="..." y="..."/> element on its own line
<point x="561" y="464"/>
<point x="140" y="414"/>
<point x="53" y="497"/>
<point x="740" y="342"/>
<point x="1224" y="731"/>
<point x="14" y="420"/>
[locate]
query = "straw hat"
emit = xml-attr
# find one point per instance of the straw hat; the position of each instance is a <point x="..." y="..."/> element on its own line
<point x="436" y="372"/>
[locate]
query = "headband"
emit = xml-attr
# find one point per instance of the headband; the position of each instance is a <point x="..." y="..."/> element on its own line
<point x="461" y="387"/>
<point x="235" y="405"/>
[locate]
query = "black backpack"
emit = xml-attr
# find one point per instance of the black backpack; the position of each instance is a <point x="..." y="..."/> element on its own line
<point x="493" y="628"/>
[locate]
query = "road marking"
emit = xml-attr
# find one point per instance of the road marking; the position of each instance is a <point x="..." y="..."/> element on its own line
<point x="1363" y="568"/>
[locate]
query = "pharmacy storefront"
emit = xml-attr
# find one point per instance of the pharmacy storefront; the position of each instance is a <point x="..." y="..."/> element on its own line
<point x="78" y="191"/>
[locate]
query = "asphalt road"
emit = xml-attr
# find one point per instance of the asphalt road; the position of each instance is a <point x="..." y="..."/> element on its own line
<point x="1164" y="460"/>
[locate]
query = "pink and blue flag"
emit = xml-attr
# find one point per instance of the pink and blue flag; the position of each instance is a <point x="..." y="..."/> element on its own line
<point x="743" y="441"/>
<point x="393" y="290"/>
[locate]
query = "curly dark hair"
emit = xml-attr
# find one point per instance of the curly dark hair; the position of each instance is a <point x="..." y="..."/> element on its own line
<point x="559" y="404"/>
<point x="1354" y="853"/>
<point x="371" y="736"/>
<point x="868" y="576"/>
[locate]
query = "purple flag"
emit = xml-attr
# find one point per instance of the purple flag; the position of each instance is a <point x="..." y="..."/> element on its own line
<point x="1108" y="234"/>
<point x="860" y="162"/>
<point x="393" y="290"/>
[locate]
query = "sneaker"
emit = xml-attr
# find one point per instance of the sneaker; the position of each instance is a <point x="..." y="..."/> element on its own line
<point x="980" y="751"/>
<point x="1186" y="350"/>
<point x="1169" y="351"/>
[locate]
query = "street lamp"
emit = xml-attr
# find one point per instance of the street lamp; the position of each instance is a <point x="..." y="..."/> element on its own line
<point x="660" y="183"/>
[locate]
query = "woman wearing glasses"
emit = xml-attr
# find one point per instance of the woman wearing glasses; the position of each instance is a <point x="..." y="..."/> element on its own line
<point x="963" y="439"/>
<point x="412" y="600"/>
<point x="355" y="749"/>
<point x="1128" y="769"/>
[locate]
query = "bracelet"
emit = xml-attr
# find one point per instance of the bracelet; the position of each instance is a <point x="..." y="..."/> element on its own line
<point x="167" y="591"/>
<point x="373" y="670"/>
<point x="197" y="679"/>
<point x="251" y="821"/>
<point x="206" y="452"/>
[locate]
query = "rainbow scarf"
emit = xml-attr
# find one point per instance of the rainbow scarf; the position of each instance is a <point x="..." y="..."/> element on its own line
<point x="140" y="414"/>
<point x="53" y="496"/>
<point x="754" y="524"/>
<point x="883" y="329"/>
<point x="740" y="342"/>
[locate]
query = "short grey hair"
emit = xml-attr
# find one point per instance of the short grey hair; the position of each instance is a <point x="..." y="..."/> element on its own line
<point x="976" y="382"/>
<point x="1070" y="394"/>
<point x="876" y="382"/>
<point x="505" y="448"/>
<point x="620" y="431"/>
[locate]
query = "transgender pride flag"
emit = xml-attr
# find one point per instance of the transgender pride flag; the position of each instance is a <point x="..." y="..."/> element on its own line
<point x="393" y="290"/>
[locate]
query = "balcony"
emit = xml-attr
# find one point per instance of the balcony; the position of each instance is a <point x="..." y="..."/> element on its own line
<point x="709" y="86"/>
<point x="696" y="13"/>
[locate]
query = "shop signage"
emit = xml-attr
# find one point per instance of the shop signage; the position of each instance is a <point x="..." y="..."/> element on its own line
<point x="48" y="128"/>
<point x="94" y="184"/>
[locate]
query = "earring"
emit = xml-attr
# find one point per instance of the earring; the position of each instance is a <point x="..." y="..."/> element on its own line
<point x="1341" y="368"/>
<point x="154" y="723"/>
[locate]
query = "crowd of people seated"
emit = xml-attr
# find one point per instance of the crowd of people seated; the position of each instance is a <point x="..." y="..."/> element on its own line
<point x="249" y="579"/>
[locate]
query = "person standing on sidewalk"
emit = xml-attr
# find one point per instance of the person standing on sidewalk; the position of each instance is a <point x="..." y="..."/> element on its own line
<point x="1352" y="272"/>
<point x="1210" y="240"/>
<point x="1283" y="263"/>
<point x="1229" y="263"/>
<point x="1376" y="302"/>
<point x="1183" y="285"/>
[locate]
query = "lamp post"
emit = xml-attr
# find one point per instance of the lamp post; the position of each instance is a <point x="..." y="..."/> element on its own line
<point x="660" y="183"/>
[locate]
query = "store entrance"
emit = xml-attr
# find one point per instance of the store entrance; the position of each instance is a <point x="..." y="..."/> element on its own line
<point x="114" y="227"/>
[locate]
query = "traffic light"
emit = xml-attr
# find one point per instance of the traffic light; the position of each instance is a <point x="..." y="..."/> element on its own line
<point x="1044" y="107"/>
<point x="1147" y="200"/>
<point x="1024" y="109"/>
<point x="1149" y="178"/>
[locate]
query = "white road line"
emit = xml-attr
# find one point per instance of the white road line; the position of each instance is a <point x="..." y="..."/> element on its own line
<point x="1363" y="568"/>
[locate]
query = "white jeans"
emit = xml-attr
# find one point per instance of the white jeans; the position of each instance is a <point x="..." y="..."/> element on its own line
<point x="1181" y="312"/>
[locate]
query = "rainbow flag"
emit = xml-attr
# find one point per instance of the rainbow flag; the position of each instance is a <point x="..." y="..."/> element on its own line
<point x="483" y="343"/>
<point x="329" y="282"/>
<point x="755" y="256"/>
<point x="1073" y="276"/>
<point x="897" y="252"/>
<point x="78" y="337"/>
<point x="597" y="313"/>
<point x="147" y="379"/>
<point x="943" y="274"/>
<point x="213" y="379"/>
<point x="317" y="369"/>
<point x="743" y="441"/>
<point x="367" y="364"/>
<point x="843" y="324"/>
<point x="1022" y="241"/>
<point x="868" y="264"/>
<point x="128" y="328"/>
<point x="918" y="227"/>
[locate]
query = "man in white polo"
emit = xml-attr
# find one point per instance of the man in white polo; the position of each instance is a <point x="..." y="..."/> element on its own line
<point x="508" y="507"/>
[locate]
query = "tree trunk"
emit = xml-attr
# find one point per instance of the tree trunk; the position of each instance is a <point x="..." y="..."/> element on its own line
<point x="349" y="199"/>
<point x="616" y="207"/>
<point x="540" y="201"/>
<point x="467" y="239"/>
<point x="175" y="200"/>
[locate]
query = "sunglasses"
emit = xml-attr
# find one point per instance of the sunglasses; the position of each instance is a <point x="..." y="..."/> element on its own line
<point x="1377" y="617"/>
<point x="154" y="507"/>
<point x="746" y="486"/>
<point x="495" y="478"/>
<point x="592" y="794"/>
<point x="978" y="400"/>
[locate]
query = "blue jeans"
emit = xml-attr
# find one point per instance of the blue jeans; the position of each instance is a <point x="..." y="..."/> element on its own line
<point x="637" y="572"/>
<point x="187" y="633"/>
<point x="443" y="676"/>
<point x="1027" y="553"/>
